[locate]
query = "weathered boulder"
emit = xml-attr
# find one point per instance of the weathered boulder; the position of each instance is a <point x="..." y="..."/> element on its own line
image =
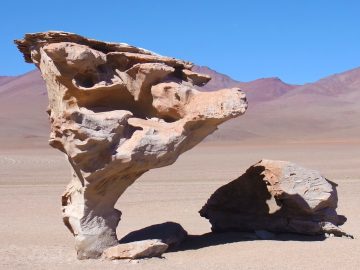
<point x="276" y="196"/>
<point x="136" y="250"/>
<point x="117" y="111"/>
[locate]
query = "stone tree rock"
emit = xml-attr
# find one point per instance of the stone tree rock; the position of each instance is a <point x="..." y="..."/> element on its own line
<point x="117" y="111"/>
<point x="276" y="196"/>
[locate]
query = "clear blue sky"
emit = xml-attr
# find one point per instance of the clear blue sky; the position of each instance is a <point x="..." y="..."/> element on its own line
<point x="296" y="40"/>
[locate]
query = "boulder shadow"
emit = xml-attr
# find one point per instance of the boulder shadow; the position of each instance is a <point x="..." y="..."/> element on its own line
<point x="170" y="233"/>
<point x="194" y="242"/>
<point x="176" y="237"/>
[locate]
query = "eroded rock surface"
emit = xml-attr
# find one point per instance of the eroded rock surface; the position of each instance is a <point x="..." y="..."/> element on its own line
<point x="276" y="196"/>
<point x="117" y="111"/>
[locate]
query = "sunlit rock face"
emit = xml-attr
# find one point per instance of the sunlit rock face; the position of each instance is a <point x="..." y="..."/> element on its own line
<point x="117" y="111"/>
<point x="277" y="196"/>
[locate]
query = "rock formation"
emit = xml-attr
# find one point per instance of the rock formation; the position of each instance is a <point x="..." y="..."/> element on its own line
<point x="276" y="196"/>
<point x="117" y="111"/>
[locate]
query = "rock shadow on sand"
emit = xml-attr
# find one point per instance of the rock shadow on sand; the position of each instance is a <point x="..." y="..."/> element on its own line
<point x="176" y="237"/>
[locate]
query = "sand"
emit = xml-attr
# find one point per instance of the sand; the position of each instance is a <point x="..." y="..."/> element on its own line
<point x="33" y="236"/>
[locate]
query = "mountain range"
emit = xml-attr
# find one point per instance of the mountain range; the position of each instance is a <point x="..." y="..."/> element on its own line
<point x="263" y="89"/>
<point x="323" y="111"/>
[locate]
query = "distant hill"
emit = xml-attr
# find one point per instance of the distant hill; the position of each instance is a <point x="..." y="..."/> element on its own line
<point x="218" y="80"/>
<point x="328" y="109"/>
<point x="5" y="79"/>
<point x="263" y="89"/>
<point x="335" y="85"/>
<point x="23" y="102"/>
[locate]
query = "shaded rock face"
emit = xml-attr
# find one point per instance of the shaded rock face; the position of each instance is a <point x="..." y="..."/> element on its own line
<point x="117" y="111"/>
<point x="276" y="196"/>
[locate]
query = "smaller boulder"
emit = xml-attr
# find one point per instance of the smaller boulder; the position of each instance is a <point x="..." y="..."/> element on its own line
<point x="136" y="250"/>
<point x="276" y="196"/>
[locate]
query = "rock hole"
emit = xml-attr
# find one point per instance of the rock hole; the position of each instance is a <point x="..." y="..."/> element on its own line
<point x="85" y="80"/>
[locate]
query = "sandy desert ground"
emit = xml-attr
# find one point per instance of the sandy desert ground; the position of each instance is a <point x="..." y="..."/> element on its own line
<point x="33" y="236"/>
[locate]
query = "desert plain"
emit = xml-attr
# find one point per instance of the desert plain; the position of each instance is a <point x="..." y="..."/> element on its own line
<point x="319" y="131"/>
<point x="32" y="233"/>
